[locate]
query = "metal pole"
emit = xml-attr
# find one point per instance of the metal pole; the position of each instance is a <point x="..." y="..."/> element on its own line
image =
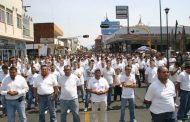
<point x="161" y="43"/>
<point x="167" y="10"/>
<point x="128" y="21"/>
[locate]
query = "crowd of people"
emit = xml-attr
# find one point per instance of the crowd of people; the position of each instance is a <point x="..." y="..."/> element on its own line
<point x="93" y="79"/>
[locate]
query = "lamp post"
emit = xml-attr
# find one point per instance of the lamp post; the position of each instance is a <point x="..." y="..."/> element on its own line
<point x="167" y="10"/>
<point x="161" y="42"/>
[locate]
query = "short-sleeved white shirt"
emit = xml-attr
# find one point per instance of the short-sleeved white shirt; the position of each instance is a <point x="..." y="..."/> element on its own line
<point x="45" y="85"/>
<point x="30" y="78"/>
<point x="100" y="84"/>
<point x="161" y="96"/>
<point x="108" y="74"/>
<point x="128" y="92"/>
<point x="68" y="86"/>
<point x="184" y="80"/>
<point x="152" y="74"/>
<point x="79" y="71"/>
<point x="173" y="78"/>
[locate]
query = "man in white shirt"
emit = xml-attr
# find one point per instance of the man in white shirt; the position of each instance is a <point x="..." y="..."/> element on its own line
<point x="69" y="98"/>
<point x="14" y="87"/>
<point x="89" y="73"/>
<point x="98" y="87"/>
<point x="151" y="73"/>
<point x="183" y="85"/>
<point x="128" y="82"/>
<point x="79" y="72"/>
<point x="160" y="96"/>
<point x="45" y="90"/>
<point x="30" y="79"/>
<point x="109" y="74"/>
<point x="3" y="74"/>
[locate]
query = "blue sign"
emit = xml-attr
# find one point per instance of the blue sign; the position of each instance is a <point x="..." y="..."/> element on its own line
<point x="113" y="27"/>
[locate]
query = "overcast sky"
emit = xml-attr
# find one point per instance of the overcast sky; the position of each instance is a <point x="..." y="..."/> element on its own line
<point x="80" y="17"/>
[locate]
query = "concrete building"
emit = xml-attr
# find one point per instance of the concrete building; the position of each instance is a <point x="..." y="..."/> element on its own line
<point x="16" y="28"/>
<point x="45" y="40"/>
<point x="71" y="45"/>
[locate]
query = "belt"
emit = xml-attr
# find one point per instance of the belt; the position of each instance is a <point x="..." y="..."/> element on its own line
<point x="45" y="95"/>
<point x="18" y="99"/>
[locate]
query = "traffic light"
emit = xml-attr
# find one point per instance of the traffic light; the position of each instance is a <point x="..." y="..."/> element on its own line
<point x="104" y="26"/>
<point x="85" y="36"/>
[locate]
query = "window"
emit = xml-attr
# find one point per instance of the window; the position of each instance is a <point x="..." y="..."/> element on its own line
<point x="2" y="14"/>
<point x="9" y="17"/>
<point x="19" y="21"/>
<point x="26" y="26"/>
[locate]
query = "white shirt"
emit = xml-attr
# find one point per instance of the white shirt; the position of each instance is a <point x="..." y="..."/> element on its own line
<point x="152" y="74"/>
<point x="100" y="84"/>
<point x="56" y="74"/>
<point x="30" y="78"/>
<point x="128" y="92"/>
<point x="173" y="78"/>
<point x="118" y="78"/>
<point x="79" y="72"/>
<point x="37" y="66"/>
<point x="141" y="63"/>
<point x="184" y="80"/>
<point x="108" y="74"/>
<point x="161" y="96"/>
<point x="19" y="85"/>
<point x="68" y="86"/>
<point x="2" y="76"/>
<point x="45" y="85"/>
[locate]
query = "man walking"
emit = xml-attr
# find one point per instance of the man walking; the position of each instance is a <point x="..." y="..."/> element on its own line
<point x="14" y="87"/>
<point x="160" y="96"/>
<point x="98" y="87"/>
<point x="46" y="90"/>
<point x="69" y="98"/>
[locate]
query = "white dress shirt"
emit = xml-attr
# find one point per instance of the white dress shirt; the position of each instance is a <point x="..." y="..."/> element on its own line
<point x="19" y="85"/>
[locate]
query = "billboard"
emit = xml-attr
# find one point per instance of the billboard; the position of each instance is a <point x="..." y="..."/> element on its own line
<point x="113" y="27"/>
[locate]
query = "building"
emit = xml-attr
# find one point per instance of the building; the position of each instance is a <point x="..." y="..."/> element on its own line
<point x="98" y="44"/>
<point x="16" y="28"/>
<point x="45" y="40"/>
<point x="142" y="35"/>
<point x="71" y="45"/>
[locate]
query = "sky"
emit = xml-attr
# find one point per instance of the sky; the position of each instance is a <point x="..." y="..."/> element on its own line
<point x="83" y="17"/>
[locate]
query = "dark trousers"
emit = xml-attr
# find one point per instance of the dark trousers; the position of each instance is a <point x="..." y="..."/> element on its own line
<point x="142" y="74"/>
<point x="117" y="91"/>
<point x="164" y="117"/>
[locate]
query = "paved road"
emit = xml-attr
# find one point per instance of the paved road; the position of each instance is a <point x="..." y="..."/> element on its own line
<point x="142" y="115"/>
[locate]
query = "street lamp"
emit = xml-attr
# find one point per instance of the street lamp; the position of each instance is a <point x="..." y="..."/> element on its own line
<point x="161" y="42"/>
<point x="167" y="10"/>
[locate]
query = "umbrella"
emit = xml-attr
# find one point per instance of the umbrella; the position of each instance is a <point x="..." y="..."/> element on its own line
<point x="143" y="48"/>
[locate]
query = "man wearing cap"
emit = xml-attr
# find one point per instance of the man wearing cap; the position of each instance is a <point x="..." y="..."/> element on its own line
<point x="183" y="86"/>
<point x="98" y="87"/>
